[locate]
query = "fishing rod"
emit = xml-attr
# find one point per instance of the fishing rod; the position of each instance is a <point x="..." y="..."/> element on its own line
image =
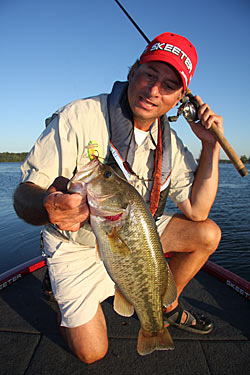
<point x="133" y="22"/>
<point x="189" y="109"/>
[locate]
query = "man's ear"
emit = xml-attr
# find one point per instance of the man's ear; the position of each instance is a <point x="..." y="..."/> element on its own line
<point x="178" y="99"/>
<point x="132" y="70"/>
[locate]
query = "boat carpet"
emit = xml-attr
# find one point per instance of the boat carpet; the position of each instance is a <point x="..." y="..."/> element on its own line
<point x="30" y="343"/>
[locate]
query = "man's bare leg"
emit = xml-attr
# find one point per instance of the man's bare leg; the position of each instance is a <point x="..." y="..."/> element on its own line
<point x="89" y="342"/>
<point x="191" y="243"/>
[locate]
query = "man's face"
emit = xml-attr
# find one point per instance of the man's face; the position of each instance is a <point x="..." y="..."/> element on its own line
<point x="153" y="90"/>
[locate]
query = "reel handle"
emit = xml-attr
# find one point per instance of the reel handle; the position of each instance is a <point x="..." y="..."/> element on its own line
<point x="226" y="146"/>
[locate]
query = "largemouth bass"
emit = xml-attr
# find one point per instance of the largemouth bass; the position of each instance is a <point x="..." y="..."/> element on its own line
<point x="131" y="250"/>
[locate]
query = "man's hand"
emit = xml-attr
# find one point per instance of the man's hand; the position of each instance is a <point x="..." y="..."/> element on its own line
<point x="206" y="117"/>
<point x="67" y="211"/>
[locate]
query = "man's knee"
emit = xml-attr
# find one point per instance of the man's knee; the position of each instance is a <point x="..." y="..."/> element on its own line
<point x="210" y="235"/>
<point x="183" y="235"/>
<point x="92" y="356"/>
<point x="89" y="342"/>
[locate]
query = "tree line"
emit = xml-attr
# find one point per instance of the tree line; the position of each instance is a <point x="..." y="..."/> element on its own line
<point x="6" y="157"/>
<point x="244" y="159"/>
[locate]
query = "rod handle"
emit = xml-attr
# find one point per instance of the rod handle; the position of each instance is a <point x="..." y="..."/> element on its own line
<point x="229" y="150"/>
<point x="225" y="145"/>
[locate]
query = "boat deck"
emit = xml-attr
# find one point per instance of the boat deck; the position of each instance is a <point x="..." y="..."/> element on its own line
<point x="30" y="342"/>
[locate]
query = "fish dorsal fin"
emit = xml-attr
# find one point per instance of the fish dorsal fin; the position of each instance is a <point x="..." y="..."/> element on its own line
<point x="121" y="305"/>
<point x="117" y="244"/>
<point x="170" y="294"/>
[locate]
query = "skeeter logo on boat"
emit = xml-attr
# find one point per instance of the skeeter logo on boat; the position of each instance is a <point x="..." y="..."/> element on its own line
<point x="238" y="289"/>
<point x="10" y="281"/>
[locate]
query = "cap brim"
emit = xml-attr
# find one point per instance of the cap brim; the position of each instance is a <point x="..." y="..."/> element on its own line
<point x="173" y="62"/>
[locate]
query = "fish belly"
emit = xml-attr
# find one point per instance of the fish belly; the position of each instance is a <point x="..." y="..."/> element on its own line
<point x="135" y="262"/>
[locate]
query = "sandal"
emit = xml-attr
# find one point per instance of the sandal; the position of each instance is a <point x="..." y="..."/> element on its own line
<point x="202" y="325"/>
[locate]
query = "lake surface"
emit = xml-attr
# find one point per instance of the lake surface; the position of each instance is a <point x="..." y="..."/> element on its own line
<point x="20" y="242"/>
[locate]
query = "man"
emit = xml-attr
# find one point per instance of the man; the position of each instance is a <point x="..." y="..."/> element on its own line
<point x="131" y="121"/>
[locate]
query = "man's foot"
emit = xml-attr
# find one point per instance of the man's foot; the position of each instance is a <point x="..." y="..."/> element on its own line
<point x="187" y="321"/>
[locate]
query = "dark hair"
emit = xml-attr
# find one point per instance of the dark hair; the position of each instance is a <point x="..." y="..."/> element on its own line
<point x="132" y="69"/>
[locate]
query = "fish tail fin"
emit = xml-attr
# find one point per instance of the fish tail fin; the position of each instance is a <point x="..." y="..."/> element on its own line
<point x="147" y="344"/>
<point x="121" y="305"/>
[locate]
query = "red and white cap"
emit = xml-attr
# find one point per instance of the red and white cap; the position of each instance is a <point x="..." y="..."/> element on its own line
<point x="175" y="50"/>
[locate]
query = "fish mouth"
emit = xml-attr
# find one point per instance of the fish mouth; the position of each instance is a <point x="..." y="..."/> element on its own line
<point x="81" y="178"/>
<point x="98" y="197"/>
<point x="108" y="214"/>
<point x="88" y="169"/>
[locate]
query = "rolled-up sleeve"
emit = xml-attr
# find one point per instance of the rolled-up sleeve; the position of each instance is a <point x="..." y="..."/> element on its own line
<point x="183" y="170"/>
<point x="54" y="154"/>
<point x="61" y="148"/>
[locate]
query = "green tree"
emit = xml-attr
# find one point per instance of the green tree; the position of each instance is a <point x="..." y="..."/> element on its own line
<point x="6" y="157"/>
<point x="244" y="159"/>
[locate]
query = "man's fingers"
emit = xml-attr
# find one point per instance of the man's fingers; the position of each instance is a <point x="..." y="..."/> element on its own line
<point x="60" y="201"/>
<point x="67" y="211"/>
<point x="60" y="184"/>
<point x="70" y="201"/>
<point x="68" y="227"/>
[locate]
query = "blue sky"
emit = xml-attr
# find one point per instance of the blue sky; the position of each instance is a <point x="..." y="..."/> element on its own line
<point x="56" y="51"/>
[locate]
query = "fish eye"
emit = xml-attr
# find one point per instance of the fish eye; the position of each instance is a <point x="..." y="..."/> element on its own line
<point x="107" y="174"/>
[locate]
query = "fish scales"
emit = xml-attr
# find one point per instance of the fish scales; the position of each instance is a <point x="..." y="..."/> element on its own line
<point x="142" y="276"/>
<point x="131" y="250"/>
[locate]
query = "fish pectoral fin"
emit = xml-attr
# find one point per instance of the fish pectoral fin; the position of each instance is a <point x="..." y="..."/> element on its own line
<point x="161" y="341"/>
<point x="121" y="305"/>
<point x="170" y="294"/>
<point x="117" y="244"/>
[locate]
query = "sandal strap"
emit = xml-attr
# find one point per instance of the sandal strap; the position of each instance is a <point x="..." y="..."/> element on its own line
<point x="175" y="315"/>
<point x="202" y="324"/>
<point x="189" y="319"/>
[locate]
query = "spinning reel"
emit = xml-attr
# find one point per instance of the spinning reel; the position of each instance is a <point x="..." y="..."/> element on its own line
<point x="189" y="109"/>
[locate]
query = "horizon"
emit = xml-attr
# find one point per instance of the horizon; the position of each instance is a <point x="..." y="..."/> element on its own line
<point x="53" y="53"/>
<point x="221" y="159"/>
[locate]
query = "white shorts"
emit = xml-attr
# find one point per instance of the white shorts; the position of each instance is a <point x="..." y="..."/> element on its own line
<point x="78" y="277"/>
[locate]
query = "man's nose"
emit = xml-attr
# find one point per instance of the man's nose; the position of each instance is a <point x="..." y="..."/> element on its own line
<point x="155" y="88"/>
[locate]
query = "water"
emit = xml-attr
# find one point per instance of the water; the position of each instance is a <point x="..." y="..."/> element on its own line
<point x="20" y="242"/>
<point x="231" y="211"/>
